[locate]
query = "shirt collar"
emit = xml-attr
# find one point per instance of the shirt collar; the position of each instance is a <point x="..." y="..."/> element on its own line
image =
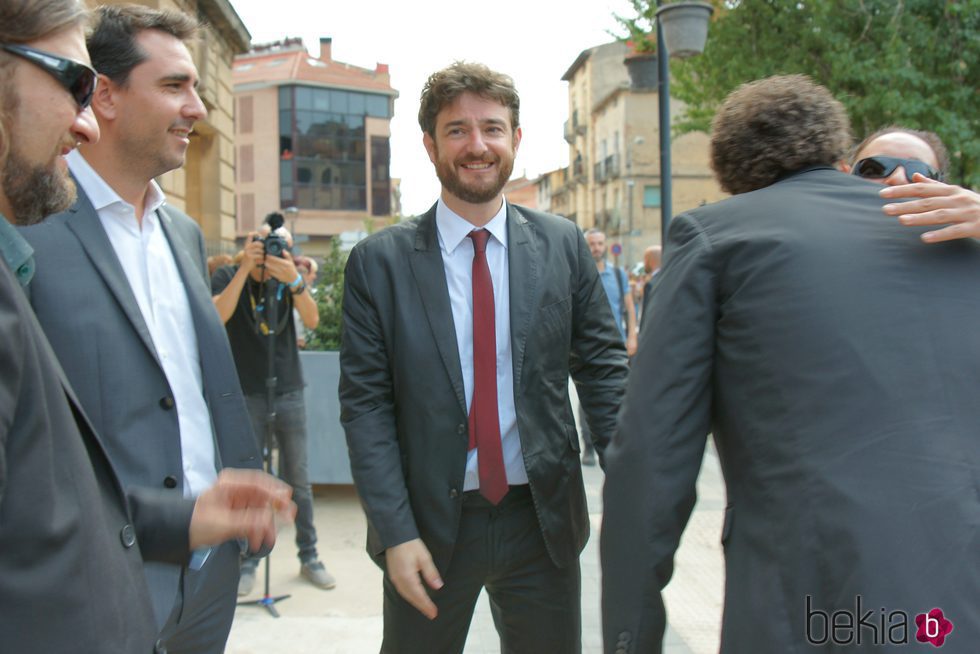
<point x="100" y="194"/>
<point x="453" y="228"/>
<point x="18" y="254"/>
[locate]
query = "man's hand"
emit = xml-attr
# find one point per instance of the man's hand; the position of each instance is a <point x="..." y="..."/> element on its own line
<point x="241" y="504"/>
<point x="282" y="268"/>
<point x="631" y="341"/>
<point x="254" y="252"/>
<point x="405" y="563"/>
<point x="939" y="204"/>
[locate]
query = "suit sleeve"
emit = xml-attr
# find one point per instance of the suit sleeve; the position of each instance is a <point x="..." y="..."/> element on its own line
<point x="162" y="524"/>
<point x="367" y="411"/>
<point x="653" y="461"/>
<point x="12" y="364"/>
<point x="597" y="362"/>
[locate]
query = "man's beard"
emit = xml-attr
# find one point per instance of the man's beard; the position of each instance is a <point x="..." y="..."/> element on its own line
<point x="446" y="172"/>
<point x="34" y="192"/>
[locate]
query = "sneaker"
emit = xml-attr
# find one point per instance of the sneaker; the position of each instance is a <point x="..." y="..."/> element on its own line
<point x="246" y="581"/>
<point x="317" y="574"/>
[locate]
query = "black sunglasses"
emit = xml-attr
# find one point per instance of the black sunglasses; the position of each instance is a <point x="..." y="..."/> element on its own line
<point x="80" y="80"/>
<point x="881" y="167"/>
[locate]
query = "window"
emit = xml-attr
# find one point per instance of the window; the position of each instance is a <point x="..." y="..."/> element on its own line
<point x="651" y="196"/>
<point x="323" y="148"/>
<point x="380" y="181"/>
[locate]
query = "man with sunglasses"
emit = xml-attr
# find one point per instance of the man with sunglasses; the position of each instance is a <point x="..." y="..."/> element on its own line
<point x="71" y="540"/>
<point x="834" y="359"/>
<point x="912" y="164"/>
<point x="123" y="295"/>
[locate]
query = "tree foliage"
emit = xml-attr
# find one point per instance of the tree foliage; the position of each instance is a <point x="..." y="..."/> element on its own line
<point x="914" y="63"/>
<point x="329" y="294"/>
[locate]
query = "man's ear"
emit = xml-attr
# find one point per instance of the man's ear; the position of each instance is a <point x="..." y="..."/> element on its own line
<point x="517" y="139"/>
<point x="430" y="146"/>
<point x="104" y="100"/>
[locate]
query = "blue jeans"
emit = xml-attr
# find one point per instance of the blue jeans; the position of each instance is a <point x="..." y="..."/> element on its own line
<point x="290" y="435"/>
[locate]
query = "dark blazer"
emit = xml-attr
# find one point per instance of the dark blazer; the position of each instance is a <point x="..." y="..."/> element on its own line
<point x="89" y="313"/>
<point x="401" y="386"/>
<point x="70" y="569"/>
<point x="836" y="360"/>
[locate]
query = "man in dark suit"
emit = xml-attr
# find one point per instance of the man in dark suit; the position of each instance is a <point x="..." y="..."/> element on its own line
<point x="460" y="330"/>
<point x="71" y="539"/>
<point x="123" y="295"/>
<point x="834" y="358"/>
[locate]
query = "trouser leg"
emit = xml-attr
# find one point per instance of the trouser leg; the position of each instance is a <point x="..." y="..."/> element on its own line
<point x="202" y="619"/>
<point x="294" y="467"/>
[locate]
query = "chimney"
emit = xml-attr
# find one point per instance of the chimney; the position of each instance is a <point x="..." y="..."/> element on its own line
<point x="325" y="43"/>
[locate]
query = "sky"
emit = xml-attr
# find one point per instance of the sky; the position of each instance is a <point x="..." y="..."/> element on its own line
<point x="533" y="41"/>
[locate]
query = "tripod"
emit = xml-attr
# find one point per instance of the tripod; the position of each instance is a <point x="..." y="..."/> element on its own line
<point x="271" y="309"/>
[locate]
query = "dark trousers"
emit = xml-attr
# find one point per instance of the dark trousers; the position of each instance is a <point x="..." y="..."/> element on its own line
<point x="290" y="432"/>
<point x="201" y="618"/>
<point x="536" y="606"/>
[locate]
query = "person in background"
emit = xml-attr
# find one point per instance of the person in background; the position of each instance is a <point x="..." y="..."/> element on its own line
<point x="651" y="267"/>
<point x="620" y="297"/>
<point x="241" y="296"/>
<point x="216" y="261"/>
<point x="306" y="267"/>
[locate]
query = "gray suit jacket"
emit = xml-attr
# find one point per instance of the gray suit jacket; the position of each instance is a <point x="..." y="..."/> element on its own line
<point x="90" y="315"/>
<point x="836" y="360"/>
<point x="401" y="386"/>
<point x="70" y="569"/>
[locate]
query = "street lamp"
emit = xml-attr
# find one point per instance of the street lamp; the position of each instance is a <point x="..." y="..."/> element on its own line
<point x="684" y="27"/>
<point x="630" y="184"/>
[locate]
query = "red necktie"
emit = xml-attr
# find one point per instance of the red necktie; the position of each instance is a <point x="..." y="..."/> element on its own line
<point x="484" y="421"/>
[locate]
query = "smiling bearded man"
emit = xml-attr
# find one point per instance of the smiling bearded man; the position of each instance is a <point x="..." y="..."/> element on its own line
<point x="460" y="331"/>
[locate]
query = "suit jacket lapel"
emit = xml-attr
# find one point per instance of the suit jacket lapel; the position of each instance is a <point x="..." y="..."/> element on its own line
<point x="85" y="223"/>
<point x="199" y="299"/>
<point x="524" y="288"/>
<point x="430" y="277"/>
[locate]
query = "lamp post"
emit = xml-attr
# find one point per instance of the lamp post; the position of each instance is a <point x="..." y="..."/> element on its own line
<point x="630" y="191"/>
<point x="682" y="29"/>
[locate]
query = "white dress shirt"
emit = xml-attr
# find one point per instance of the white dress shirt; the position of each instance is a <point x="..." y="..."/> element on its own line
<point x="147" y="260"/>
<point x="457" y="259"/>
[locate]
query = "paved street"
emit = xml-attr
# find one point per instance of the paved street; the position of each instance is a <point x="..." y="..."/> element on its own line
<point x="347" y="620"/>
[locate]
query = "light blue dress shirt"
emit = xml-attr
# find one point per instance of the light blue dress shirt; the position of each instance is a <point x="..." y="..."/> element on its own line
<point x="457" y="259"/>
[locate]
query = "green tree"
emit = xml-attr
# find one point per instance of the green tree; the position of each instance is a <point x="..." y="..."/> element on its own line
<point x="914" y="63"/>
<point x="329" y="300"/>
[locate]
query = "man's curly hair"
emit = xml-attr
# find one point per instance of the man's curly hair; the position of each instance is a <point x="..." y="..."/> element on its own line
<point x="773" y="127"/>
<point x="444" y="86"/>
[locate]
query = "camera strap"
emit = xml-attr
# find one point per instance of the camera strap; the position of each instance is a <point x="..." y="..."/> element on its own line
<point x="258" y="307"/>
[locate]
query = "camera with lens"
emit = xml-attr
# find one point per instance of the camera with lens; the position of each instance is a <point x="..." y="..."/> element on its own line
<point x="274" y="244"/>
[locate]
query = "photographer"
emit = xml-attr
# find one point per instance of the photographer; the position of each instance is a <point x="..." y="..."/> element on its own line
<point x="242" y="294"/>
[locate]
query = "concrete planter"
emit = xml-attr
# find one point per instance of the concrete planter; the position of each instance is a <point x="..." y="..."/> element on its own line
<point x="642" y="69"/>
<point x="326" y="444"/>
